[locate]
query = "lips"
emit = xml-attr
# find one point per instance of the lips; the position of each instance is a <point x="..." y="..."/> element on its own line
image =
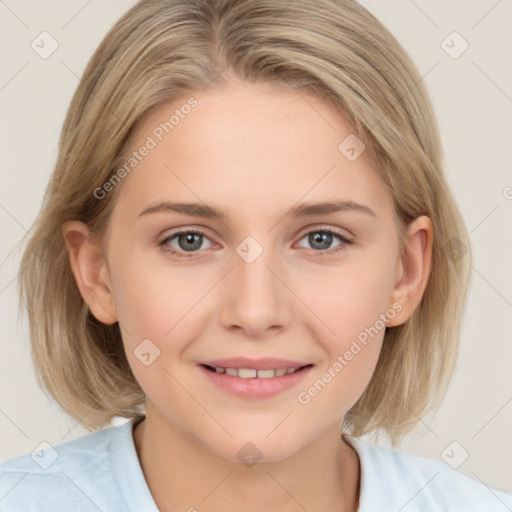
<point x="255" y="378"/>
<point x="267" y="363"/>
<point x="252" y="373"/>
<point x="245" y="368"/>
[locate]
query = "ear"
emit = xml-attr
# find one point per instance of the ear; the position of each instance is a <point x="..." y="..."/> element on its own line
<point x="413" y="269"/>
<point x="90" y="270"/>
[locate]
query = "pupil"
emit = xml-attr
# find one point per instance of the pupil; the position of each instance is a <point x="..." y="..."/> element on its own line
<point x="190" y="240"/>
<point x="320" y="237"/>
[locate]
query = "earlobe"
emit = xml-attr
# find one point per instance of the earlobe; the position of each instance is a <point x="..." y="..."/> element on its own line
<point x="90" y="270"/>
<point x="415" y="267"/>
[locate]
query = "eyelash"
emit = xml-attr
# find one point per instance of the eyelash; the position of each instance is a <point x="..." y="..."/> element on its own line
<point x="320" y="253"/>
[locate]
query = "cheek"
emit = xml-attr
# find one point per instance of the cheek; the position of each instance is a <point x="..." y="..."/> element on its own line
<point x="350" y="306"/>
<point x="151" y="299"/>
<point x="155" y="307"/>
<point x="349" y="298"/>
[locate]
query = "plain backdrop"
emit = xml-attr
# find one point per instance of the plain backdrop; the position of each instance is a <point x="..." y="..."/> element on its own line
<point x="472" y="95"/>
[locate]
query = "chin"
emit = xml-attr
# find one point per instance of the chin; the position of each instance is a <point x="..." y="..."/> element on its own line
<point x="251" y="449"/>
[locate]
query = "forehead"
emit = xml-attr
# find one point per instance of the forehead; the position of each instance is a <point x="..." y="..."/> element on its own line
<point x="247" y="146"/>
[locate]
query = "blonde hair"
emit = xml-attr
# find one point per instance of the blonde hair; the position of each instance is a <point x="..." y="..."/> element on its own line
<point x="163" y="49"/>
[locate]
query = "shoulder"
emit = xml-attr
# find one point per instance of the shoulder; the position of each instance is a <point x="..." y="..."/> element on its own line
<point x="392" y="479"/>
<point x="67" y="475"/>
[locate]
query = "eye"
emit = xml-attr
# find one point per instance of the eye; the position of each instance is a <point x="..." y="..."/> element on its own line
<point x="321" y="240"/>
<point x="185" y="241"/>
<point x="190" y="241"/>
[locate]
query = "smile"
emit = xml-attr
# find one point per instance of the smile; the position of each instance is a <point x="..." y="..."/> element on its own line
<point x="252" y="373"/>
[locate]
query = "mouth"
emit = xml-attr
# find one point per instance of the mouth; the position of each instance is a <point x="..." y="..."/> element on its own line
<point x="253" y="373"/>
<point x="255" y="379"/>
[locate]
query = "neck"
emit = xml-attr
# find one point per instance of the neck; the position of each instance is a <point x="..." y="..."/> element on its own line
<point x="183" y="474"/>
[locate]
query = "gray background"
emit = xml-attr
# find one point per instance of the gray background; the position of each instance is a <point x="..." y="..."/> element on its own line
<point x="472" y="95"/>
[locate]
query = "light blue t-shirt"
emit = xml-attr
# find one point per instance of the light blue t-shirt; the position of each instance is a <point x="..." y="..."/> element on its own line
<point x="101" y="472"/>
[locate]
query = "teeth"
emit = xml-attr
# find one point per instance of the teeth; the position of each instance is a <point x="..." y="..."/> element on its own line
<point x="246" y="373"/>
<point x="266" y="374"/>
<point x="251" y="373"/>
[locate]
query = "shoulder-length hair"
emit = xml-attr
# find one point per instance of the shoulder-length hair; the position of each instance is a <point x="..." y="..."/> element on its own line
<point x="164" y="49"/>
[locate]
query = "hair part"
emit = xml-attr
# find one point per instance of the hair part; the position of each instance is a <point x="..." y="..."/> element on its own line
<point x="161" y="50"/>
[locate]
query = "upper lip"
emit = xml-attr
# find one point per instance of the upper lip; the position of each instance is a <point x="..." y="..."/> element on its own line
<point x="266" y="363"/>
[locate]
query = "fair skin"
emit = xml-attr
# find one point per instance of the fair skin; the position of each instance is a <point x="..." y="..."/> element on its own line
<point x="253" y="151"/>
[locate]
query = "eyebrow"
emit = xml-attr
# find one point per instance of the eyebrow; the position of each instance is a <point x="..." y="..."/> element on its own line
<point x="298" y="211"/>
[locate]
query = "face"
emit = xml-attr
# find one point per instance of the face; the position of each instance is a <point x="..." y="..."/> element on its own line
<point x="267" y="278"/>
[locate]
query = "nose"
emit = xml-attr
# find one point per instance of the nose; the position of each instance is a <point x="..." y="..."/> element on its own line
<point x="256" y="299"/>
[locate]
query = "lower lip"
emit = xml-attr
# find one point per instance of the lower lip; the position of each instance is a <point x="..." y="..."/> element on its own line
<point x="255" y="387"/>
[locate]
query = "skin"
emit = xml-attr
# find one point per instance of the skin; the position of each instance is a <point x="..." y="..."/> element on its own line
<point x="253" y="151"/>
